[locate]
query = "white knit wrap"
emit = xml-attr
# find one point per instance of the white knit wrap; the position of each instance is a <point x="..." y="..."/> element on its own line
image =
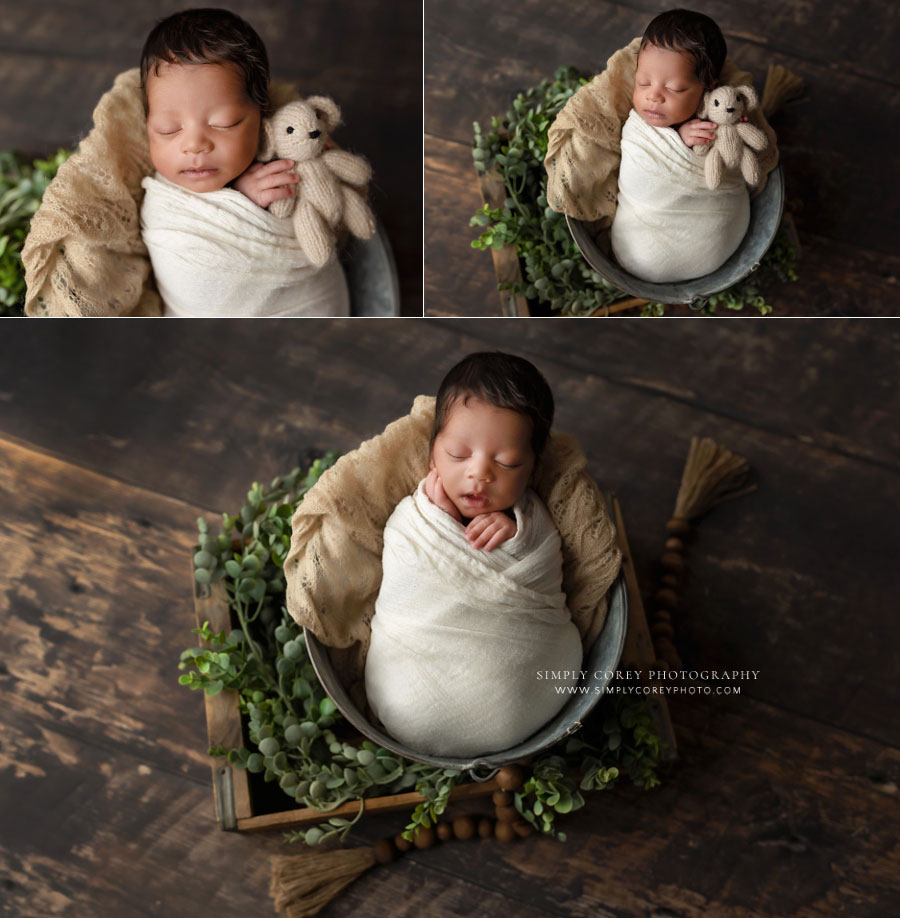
<point x="669" y="226"/>
<point x="460" y="634"/>
<point x="219" y="254"/>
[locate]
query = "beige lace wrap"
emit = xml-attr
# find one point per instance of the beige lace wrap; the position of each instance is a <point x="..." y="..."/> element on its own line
<point x="583" y="148"/>
<point x="333" y="570"/>
<point x="84" y="255"/>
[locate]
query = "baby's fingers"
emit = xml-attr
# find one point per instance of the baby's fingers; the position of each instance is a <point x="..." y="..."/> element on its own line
<point x="486" y="535"/>
<point x="496" y="539"/>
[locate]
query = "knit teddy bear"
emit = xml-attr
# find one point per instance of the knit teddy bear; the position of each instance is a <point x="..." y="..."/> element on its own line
<point x="327" y="194"/>
<point x="735" y="140"/>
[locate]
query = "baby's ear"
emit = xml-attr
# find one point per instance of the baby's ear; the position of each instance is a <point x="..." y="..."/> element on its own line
<point x="748" y="94"/>
<point x="327" y="110"/>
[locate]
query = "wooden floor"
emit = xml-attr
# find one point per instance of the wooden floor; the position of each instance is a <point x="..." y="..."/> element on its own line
<point x="838" y="144"/>
<point x="58" y="57"/>
<point x="113" y="441"/>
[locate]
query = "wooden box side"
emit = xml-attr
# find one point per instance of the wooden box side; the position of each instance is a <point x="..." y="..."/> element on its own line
<point x="223" y="717"/>
<point x="638" y="654"/>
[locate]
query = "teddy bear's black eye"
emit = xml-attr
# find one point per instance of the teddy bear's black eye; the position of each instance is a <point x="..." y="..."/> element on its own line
<point x="314" y="134"/>
<point x="290" y="130"/>
<point x="716" y="101"/>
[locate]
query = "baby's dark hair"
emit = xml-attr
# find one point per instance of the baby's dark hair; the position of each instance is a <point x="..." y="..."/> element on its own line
<point x="685" y="30"/>
<point x="209" y="36"/>
<point x="502" y="380"/>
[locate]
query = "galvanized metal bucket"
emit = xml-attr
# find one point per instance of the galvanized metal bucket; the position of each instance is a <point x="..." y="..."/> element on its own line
<point x="765" y="218"/>
<point x="371" y="275"/>
<point x="599" y="664"/>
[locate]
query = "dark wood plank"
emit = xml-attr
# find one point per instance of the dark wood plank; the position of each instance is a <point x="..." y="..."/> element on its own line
<point x="770" y="814"/>
<point x="479" y="55"/>
<point x="57" y="58"/>
<point x="96" y="610"/>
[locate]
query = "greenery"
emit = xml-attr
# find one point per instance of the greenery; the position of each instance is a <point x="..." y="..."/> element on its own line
<point x="554" y="272"/>
<point x="300" y="739"/>
<point x="22" y="185"/>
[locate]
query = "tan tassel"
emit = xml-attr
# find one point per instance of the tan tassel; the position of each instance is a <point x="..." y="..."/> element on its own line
<point x="781" y="87"/>
<point x="303" y="884"/>
<point x="712" y="474"/>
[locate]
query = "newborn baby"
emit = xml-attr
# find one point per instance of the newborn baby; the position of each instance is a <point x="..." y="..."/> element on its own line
<point x="215" y="249"/>
<point x="471" y="604"/>
<point x="669" y="226"/>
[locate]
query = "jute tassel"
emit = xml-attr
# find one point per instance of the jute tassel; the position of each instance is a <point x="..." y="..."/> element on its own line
<point x="712" y="474"/>
<point x="781" y="87"/>
<point x="304" y="884"/>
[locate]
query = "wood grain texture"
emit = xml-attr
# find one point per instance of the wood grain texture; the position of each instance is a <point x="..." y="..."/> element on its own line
<point x="479" y="55"/>
<point x="58" y="57"/>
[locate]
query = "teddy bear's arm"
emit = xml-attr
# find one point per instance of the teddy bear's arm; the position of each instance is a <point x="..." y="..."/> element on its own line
<point x="347" y="167"/>
<point x="751" y="135"/>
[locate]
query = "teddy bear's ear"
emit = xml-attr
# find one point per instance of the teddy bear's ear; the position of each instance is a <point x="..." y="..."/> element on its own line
<point x="704" y="106"/>
<point x="267" y="142"/>
<point x="327" y="110"/>
<point x="748" y="94"/>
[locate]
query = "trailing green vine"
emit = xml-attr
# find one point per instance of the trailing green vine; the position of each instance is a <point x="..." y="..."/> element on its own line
<point x="301" y="741"/>
<point x="553" y="270"/>
<point x="22" y="186"/>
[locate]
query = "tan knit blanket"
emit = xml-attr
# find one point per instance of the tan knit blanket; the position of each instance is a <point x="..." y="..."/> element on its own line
<point x="333" y="570"/>
<point x="84" y="255"/>
<point x="583" y="149"/>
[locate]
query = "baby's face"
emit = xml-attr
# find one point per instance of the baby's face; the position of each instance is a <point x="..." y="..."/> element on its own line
<point x="483" y="457"/>
<point x="202" y="128"/>
<point x="666" y="88"/>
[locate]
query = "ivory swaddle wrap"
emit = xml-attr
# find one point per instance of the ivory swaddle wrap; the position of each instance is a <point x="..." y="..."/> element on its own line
<point x="219" y="254"/>
<point x="669" y="226"/>
<point x="460" y="633"/>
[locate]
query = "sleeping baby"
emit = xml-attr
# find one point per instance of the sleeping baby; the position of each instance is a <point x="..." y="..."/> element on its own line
<point x="669" y="226"/>
<point x="471" y="603"/>
<point x="215" y="249"/>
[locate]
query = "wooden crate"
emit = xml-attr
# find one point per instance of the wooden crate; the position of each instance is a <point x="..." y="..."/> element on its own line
<point x="236" y="807"/>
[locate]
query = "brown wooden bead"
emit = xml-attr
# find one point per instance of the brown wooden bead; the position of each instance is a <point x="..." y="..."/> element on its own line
<point x="662" y="615"/>
<point x="463" y="827"/>
<point x="504" y="831"/>
<point x="669" y="580"/>
<point x="674" y="544"/>
<point x="510" y="778"/>
<point x="401" y="844"/>
<point x="424" y="837"/>
<point x="485" y="828"/>
<point x="384" y="851"/>
<point x="678" y="527"/>
<point x="672" y="562"/>
<point x="523" y="829"/>
<point x="444" y="831"/>
<point x="663" y="629"/>
<point x="507" y="813"/>
<point x="667" y="598"/>
<point x="502" y="798"/>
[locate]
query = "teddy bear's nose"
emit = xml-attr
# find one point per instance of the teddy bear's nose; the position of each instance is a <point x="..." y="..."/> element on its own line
<point x="314" y="134"/>
<point x="729" y="110"/>
<point x="290" y="130"/>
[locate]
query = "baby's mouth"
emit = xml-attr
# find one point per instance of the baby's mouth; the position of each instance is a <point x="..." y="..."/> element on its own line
<point x="199" y="172"/>
<point x="475" y="500"/>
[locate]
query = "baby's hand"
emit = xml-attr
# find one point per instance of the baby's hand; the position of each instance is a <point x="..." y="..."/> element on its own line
<point x="264" y="183"/>
<point x="434" y="491"/>
<point x="696" y="132"/>
<point x="488" y="530"/>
